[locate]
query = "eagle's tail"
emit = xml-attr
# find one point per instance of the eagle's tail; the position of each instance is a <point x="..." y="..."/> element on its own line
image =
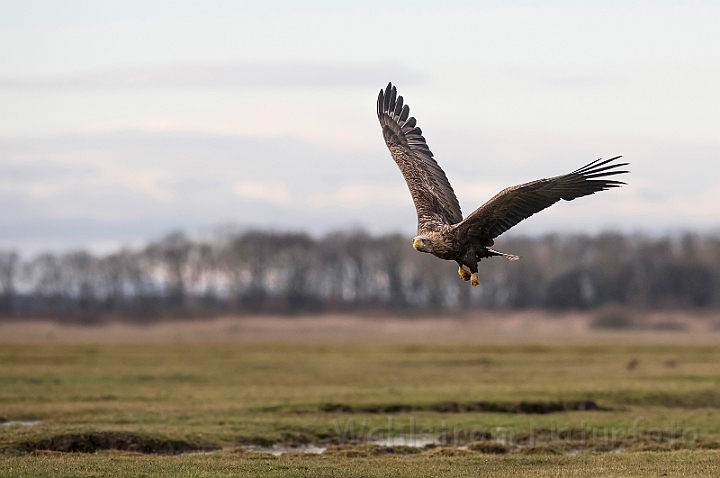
<point x="509" y="257"/>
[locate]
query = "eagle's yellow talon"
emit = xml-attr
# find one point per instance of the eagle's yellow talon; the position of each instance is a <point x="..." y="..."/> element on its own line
<point x="474" y="279"/>
<point x="464" y="274"/>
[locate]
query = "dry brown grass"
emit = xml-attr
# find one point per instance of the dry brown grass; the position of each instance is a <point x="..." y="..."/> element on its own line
<point x="486" y="326"/>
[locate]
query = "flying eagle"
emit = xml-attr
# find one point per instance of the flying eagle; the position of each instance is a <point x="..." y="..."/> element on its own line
<point x="442" y="231"/>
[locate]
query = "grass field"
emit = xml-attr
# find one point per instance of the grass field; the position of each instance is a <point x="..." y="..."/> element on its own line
<point x="578" y="404"/>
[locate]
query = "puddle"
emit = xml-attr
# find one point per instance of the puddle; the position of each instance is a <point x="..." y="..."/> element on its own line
<point x="415" y="441"/>
<point x="20" y="423"/>
<point x="201" y="452"/>
<point x="277" y="450"/>
<point x="419" y="443"/>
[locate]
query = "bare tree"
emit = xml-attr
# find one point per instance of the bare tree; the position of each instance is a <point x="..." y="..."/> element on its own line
<point x="8" y="270"/>
<point x="260" y="271"/>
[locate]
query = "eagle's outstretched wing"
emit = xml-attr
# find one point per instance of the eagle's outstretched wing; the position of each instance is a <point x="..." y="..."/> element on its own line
<point x="512" y="205"/>
<point x="432" y="194"/>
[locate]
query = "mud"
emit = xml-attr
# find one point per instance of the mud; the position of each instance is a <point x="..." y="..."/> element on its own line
<point x="456" y="407"/>
<point x="96" y="441"/>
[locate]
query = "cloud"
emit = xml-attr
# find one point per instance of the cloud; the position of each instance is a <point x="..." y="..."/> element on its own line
<point x="562" y="77"/>
<point x="54" y="177"/>
<point x="472" y="194"/>
<point x="242" y="75"/>
<point x="268" y="191"/>
<point x="41" y="189"/>
<point x="132" y="185"/>
<point x="357" y="196"/>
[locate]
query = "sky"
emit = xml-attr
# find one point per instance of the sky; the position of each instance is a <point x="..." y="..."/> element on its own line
<point x="121" y="121"/>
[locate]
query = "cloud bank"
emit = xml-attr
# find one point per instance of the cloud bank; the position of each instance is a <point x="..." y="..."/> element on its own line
<point x="139" y="185"/>
<point x="239" y="75"/>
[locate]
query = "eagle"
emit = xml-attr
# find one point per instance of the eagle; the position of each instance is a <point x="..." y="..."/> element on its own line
<point x="442" y="231"/>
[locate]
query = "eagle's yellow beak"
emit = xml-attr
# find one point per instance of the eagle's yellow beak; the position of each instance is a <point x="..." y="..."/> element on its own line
<point x="416" y="244"/>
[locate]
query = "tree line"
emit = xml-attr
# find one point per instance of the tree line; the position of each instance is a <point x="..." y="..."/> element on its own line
<point x="287" y="273"/>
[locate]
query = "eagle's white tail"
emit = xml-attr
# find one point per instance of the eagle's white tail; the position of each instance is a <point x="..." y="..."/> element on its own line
<point x="509" y="257"/>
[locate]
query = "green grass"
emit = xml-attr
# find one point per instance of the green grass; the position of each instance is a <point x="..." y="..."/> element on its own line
<point x="680" y="463"/>
<point x="232" y="394"/>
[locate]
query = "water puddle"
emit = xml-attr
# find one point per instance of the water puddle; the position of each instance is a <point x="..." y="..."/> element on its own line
<point x="414" y="441"/>
<point x="277" y="450"/>
<point x="20" y="423"/>
<point x="200" y="452"/>
<point x="417" y="441"/>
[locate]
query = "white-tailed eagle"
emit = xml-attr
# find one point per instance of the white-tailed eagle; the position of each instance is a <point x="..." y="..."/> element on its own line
<point x="442" y="231"/>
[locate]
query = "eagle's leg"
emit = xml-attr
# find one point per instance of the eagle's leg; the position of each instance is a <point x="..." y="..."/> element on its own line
<point x="463" y="273"/>
<point x="472" y="275"/>
<point x="470" y="259"/>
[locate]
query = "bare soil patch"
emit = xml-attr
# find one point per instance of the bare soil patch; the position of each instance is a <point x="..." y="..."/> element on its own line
<point x="96" y="441"/>
<point x="527" y="407"/>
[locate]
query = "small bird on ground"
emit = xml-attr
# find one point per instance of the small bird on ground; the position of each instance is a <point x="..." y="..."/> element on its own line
<point x="442" y="231"/>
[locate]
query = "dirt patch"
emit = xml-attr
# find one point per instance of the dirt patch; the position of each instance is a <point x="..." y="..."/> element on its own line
<point x="456" y="407"/>
<point x="708" y="398"/>
<point x="446" y="451"/>
<point x="541" y="450"/>
<point x="288" y="439"/>
<point x="97" y="441"/>
<point x="489" y="447"/>
<point x="365" y="450"/>
<point x="547" y="435"/>
<point x="562" y="440"/>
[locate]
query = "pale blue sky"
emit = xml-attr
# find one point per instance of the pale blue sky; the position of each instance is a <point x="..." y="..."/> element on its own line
<point x="122" y="120"/>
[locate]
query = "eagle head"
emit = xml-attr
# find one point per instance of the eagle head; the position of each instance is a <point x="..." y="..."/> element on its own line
<point x="422" y="244"/>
